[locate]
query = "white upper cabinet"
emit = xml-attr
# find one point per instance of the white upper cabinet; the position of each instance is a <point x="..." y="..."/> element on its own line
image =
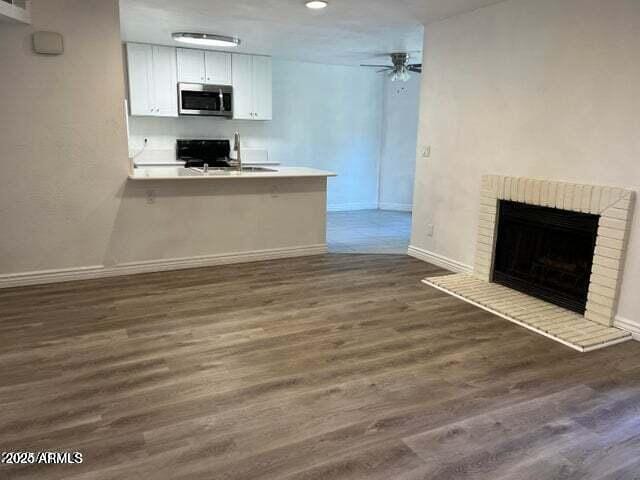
<point x="243" y="87"/>
<point x="154" y="72"/>
<point x="262" y="88"/>
<point x="252" y="87"/>
<point x="191" y="67"/>
<point x="218" y="67"/>
<point x="152" y="80"/>
<point x="204" y="66"/>
<point x="140" y="65"/>
<point x="165" y="81"/>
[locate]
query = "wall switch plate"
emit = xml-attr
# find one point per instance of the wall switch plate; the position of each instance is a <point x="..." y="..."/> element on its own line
<point x="430" y="230"/>
<point x="151" y="197"/>
<point x="426" y="151"/>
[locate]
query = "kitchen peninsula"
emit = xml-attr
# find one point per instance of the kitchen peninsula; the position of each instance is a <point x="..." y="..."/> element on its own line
<point x="182" y="173"/>
<point x="193" y="200"/>
<point x="177" y="217"/>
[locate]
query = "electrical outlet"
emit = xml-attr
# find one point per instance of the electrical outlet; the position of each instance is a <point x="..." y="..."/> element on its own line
<point x="430" y="230"/>
<point x="151" y="197"/>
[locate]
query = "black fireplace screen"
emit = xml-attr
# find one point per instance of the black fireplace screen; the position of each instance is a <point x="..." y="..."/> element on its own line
<point x="545" y="252"/>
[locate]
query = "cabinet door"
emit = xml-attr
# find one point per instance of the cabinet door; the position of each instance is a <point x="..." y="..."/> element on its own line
<point x="242" y="74"/>
<point x="165" y="81"/>
<point x="218" y="67"/>
<point x="141" y="91"/>
<point x="191" y="66"/>
<point x="262" y="88"/>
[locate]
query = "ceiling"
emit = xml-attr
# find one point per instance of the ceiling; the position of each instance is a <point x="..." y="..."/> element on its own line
<point x="347" y="32"/>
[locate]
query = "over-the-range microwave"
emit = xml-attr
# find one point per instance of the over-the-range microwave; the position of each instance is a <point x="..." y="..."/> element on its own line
<point x="205" y="100"/>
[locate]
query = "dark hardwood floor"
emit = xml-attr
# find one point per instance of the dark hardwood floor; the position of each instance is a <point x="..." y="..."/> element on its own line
<point x="329" y="367"/>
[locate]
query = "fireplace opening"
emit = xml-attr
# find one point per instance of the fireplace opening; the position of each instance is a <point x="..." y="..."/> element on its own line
<point x="546" y="253"/>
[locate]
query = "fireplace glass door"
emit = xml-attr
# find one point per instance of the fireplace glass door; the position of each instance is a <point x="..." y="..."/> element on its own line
<point x="546" y="253"/>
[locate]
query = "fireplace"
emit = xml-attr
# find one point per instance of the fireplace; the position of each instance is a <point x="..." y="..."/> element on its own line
<point x="549" y="257"/>
<point x="546" y="252"/>
<point x="562" y="205"/>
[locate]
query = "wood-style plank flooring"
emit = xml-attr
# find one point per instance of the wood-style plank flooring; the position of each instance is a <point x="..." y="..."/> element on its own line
<point x="328" y="367"/>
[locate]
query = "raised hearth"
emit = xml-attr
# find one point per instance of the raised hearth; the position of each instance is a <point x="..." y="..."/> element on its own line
<point x="558" y="323"/>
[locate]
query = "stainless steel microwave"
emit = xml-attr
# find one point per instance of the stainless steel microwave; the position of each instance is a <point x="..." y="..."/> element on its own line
<point x="205" y="100"/>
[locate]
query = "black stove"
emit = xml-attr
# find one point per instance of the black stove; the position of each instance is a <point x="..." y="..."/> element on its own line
<point x="195" y="153"/>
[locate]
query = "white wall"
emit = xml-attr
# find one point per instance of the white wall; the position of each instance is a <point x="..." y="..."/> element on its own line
<point x="400" y="133"/>
<point x="65" y="201"/>
<point x="324" y="116"/>
<point x="547" y="89"/>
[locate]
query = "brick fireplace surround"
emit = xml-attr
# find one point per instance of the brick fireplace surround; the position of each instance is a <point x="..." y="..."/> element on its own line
<point x="614" y="205"/>
<point x="585" y="333"/>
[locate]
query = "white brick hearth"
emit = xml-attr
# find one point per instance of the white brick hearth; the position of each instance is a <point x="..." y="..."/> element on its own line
<point x="615" y="208"/>
<point x="549" y="320"/>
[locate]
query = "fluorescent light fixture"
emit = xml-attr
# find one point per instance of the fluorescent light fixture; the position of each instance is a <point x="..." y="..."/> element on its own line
<point x="206" y="39"/>
<point x="317" y="4"/>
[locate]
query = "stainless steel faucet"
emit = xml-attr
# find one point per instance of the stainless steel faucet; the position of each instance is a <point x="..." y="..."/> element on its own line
<point x="236" y="148"/>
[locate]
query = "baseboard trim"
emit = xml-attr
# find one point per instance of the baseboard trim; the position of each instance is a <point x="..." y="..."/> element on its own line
<point x="134" y="268"/>
<point x="396" y="207"/>
<point x="351" y="207"/>
<point x="439" y="260"/>
<point x="629" y="326"/>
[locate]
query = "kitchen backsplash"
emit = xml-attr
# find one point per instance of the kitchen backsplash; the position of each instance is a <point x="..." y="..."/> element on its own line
<point x="162" y="134"/>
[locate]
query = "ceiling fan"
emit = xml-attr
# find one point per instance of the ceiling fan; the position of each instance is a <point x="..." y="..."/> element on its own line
<point x="400" y="68"/>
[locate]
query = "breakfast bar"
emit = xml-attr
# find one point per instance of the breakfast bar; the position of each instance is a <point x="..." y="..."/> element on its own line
<point x="183" y="173"/>
<point x="177" y="216"/>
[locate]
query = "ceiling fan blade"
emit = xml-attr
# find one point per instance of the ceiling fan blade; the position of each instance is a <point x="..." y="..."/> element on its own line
<point x="384" y="70"/>
<point x="415" y="68"/>
<point x="379" y="66"/>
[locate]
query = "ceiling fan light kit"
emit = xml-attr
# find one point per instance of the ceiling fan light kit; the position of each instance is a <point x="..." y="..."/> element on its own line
<point x="401" y="68"/>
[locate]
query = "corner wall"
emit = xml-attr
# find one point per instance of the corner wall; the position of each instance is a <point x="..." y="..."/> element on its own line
<point x="541" y="89"/>
<point x="400" y="135"/>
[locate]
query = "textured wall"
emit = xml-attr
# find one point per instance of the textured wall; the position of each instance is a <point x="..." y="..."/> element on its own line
<point x="63" y="137"/>
<point x="324" y="116"/>
<point x="546" y="89"/>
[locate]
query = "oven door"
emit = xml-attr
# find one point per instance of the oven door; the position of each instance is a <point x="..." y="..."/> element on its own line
<point x="206" y="100"/>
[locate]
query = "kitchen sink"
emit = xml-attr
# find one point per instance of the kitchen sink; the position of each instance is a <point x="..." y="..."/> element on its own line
<point x="257" y="169"/>
<point x="223" y="170"/>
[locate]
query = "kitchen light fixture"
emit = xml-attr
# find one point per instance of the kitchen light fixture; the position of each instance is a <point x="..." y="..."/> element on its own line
<point x="206" y="39"/>
<point x="317" y="4"/>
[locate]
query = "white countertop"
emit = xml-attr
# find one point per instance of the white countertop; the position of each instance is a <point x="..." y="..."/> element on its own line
<point x="181" y="173"/>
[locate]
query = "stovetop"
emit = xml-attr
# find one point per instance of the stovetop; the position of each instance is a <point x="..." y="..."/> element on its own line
<point x="196" y="153"/>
